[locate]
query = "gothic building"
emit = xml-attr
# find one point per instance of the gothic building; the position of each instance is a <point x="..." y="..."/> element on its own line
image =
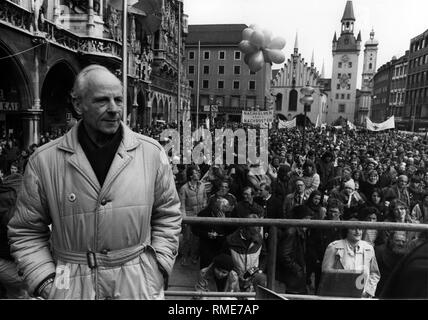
<point x="44" y="44"/>
<point x="364" y="96"/>
<point x="287" y="82"/>
<point x="346" y="50"/>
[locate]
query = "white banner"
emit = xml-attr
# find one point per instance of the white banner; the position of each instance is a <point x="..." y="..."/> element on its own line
<point x="257" y="117"/>
<point x="388" y="124"/>
<point x="287" y="124"/>
<point x="350" y="125"/>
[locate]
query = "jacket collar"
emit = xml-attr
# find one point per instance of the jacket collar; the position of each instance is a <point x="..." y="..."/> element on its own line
<point x="70" y="141"/>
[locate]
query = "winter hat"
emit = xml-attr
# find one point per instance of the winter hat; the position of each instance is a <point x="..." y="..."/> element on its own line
<point x="349" y="184"/>
<point x="223" y="261"/>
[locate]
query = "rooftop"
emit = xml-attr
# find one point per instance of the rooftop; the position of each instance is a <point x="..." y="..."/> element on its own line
<point x="214" y="34"/>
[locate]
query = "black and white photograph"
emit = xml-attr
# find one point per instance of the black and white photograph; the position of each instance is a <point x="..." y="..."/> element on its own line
<point x="214" y="154"/>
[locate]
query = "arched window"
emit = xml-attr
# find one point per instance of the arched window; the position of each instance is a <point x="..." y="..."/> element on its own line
<point x="292" y="104"/>
<point x="278" y="102"/>
<point x="370" y="65"/>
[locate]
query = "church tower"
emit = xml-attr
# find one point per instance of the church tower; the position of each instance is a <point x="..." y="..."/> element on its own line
<point x="346" y="50"/>
<point x="369" y="66"/>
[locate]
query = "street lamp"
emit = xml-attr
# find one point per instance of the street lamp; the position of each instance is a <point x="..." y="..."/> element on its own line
<point x="306" y="100"/>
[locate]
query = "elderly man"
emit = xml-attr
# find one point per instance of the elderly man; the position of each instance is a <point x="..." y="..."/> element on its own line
<point x="108" y="194"/>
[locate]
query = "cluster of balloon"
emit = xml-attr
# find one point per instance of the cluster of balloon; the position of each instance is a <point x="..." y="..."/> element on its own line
<point x="260" y="47"/>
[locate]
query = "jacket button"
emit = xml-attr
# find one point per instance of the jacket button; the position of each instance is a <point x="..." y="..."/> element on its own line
<point x="103" y="202"/>
<point x="174" y="252"/>
<point x="105" y="251"/>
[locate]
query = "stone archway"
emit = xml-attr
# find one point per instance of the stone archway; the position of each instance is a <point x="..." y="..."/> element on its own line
<point x="154" y="108"/>
<point x="15" y="95"/>
<point x="55" y="97"/>
<point x="161" y="110"/>
<point x="167" y="110"/>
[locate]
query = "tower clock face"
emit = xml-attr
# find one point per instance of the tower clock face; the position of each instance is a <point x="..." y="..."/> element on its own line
<point x="345" y="58"/>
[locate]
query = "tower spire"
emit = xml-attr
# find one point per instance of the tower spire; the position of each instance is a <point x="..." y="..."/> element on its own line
<point x="322" y="70"/>
<point x="296" y="45"/>
<point x="348" y="14"/>
<point x="312" y="59"/>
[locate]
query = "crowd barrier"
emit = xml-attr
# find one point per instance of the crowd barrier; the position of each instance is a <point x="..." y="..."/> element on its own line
<point x="273" y="225"/>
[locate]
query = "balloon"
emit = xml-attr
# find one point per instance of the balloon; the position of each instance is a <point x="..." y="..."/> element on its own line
<point x="255" y="27"/>
<point x="277" y="43"/>
<point x="247" y="58"/>
<point x="266" y="57"/>
<point x="256" y="61"/>
<point x="246" y="33"/>
<point x="276" y="56"/>
<point x="246" y="47"/>
<point x="268" y="37"/>
<point x="257" y="38"/>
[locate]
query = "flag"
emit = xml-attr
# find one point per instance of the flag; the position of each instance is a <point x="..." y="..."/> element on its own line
<point x="287" y="124"/>
<point x="318" y="122"/>
<point x="388" y="124"/>
<point x="350" y="125"/>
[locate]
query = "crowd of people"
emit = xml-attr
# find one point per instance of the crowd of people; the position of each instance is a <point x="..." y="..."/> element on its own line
<point x="323" y="174"/>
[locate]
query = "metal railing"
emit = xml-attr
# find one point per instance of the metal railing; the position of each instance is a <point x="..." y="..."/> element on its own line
<point x="273" y="225"/>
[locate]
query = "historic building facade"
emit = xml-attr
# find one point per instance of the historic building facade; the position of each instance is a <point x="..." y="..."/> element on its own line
<point x="225" y="81"/>
<point x="295" y="74"/>
<point x="398" y="91"/>
<point x="44" y="44"/>
<point x="416" y="103"/>
<point x="346" y="50"/>
<point x="364" y="96"/>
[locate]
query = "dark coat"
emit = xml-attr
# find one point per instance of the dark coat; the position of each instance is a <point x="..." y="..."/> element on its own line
<point x="409" y="278"/>
<point x="291" y="266"/>
<point x="272" y="207"/>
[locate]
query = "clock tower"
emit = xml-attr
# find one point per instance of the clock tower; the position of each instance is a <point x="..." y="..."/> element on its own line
<point x="346" y="50"/>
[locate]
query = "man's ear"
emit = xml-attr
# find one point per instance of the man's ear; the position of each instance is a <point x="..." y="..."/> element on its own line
<point x="77" y="104"/>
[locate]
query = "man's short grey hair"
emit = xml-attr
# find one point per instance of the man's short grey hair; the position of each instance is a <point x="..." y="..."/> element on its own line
<point x="80" y="82"/>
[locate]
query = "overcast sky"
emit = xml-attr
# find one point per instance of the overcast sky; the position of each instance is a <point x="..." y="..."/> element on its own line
<point x="395" y="22"/>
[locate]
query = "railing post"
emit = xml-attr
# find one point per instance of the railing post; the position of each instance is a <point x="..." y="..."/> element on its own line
<point x="272" y="248"/>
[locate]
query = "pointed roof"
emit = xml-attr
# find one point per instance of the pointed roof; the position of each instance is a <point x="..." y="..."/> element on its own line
<point x="312" y="59"/>
<point x="322" y="70"/>
<point x="359" y="36"/>
<point x="335" y="37"/>
<point x="296" y="45"/>
<point x="348" y="14"/>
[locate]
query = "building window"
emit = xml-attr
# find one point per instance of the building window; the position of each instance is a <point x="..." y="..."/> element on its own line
<point x="206" y="55"/>
<point x="191" y="84"/>
<point x="237" y="55"/>
<point x="348" y="96"/>
<point x="191" y="55"/>
<point x="338" y="86"/>
<point x="220" y="69"/>
<point x="340" y="65"/>
<point x="220" y="84"/>
<point x="342" y="108"/>
<point x="252" y="72"/>
<point x="236" y="69"/>
<point x="349" y="75"/>
<point x="350" y="64"/>
<point x="278" y="102"/>
<point x="348" y="86"/>
<point x="292" y="105"/>
<point x="342" y="96"/>
<point x="235" y="84"/>
<point x="206" y="69"/>
<point x="191" y="69"/>
<point x="337" y="96"/>
<point x="252" y="85"/>
<point x="222" y="55"/>
<point x="339" y="75"/>
<point x="205" y="84"/>
<point x="370" y="65"/>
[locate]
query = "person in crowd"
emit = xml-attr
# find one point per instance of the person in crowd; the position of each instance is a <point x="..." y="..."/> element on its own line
<point x="98" y="216"/>
<point x="399" y="212"/>
<point x="223" y="192"/>
<point x="389" y="254"/>
<point x="420" y="210"/>
<point x="369" y="214"/>
<point x="353" y="200"/>
<point x="315" y="204"/>
<point x="280" y="186"/>
<point x="291" y="266"/>
<point x="353" y="253"/>
<point x="193" y="198"/>
<point x="270" y="204"/>
<point x="372" y="182"/>
<point x="212" y="237"/>
<point x="248" y="205"/>
<point x="247" y="248"/>
<point x="273" y="169"/>
<point x="298" y="197"/>
<point x="399" y="191"/>
<point x="218" y="276"/>
<point x="310" y="177"/>
<point x="375" y="199"/>
<point x="325" y="169"/>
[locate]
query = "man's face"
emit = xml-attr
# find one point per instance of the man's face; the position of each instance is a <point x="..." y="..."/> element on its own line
<point x="398" y="243"/>
<point x="102" y="103"/>
<point x="220" y="273"/>
<point x="13" y="169"/>
<point x="402" y="182"/>
<point x="248" y="196"/>
<point x="300" y="186"/>
<point x="400" y="212"/>
<point x="355" y="235"/>
<point x="373" y="177"/>
<point x="334" y="213"/>
<point x="224" y="189"/>
<point x="196" y="174"/>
